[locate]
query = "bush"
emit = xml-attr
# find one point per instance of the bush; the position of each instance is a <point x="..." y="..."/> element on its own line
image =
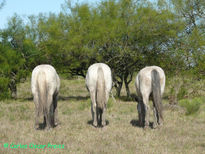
<point x="191" y="106"/>
<point x="182" y="92"/>
<point x="4" y="90"/>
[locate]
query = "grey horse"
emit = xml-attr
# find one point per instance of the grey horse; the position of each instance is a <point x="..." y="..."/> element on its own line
<point x="99" y="84"/>
<point x="45" y="84"/>
<point x="150" y="84"/>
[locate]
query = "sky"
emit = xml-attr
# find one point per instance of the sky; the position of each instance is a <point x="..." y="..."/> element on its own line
<point x="32" y="7"/>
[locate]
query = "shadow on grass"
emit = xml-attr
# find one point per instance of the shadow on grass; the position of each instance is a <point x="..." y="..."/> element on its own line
<point x="136" y="123"/>
<point x="126" y="99"/>
<point x="90" y="122"/>
<point x="42" y="126"/>
<point x="77" y="98"/>
<point x="62" y="98"/>
<point x="25" y="99"/>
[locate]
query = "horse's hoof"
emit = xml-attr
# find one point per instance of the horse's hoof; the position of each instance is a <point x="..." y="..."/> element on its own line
<point x="48" y="128"/>
<point x="154" y="126"/>
<point x="146" y="127"/>
<point x="104" y="124"/>
<point x="57" y="123"/>
<point x="160" y="125"/>
<point x="36" y="127"/>
<point x="95" y="124"/>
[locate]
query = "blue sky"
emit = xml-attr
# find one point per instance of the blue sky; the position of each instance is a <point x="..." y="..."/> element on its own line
<point x="32" y="7"/>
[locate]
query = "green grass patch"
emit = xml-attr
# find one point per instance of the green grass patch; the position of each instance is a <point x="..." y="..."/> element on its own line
<point x="67" y="111"/>
<point x="192" y="106"/>
<point x="84" y="105"/>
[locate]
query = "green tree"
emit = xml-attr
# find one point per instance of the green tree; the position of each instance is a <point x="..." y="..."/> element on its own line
<point x="12" y="71"/>
<point x="192" y="13"/>
<point x="16" y="51"/>
<point x="125" y="34"/>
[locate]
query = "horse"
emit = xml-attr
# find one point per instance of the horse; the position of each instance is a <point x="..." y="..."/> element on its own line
<point x="99" y="85"/>
<point x="150" y="84"/>
<point x="45" y="85"/>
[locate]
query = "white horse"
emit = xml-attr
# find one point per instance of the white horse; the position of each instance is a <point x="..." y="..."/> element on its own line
<point x="45" y="84"/>
<point x="99" y="84"/>
<point x="150" y="81"/>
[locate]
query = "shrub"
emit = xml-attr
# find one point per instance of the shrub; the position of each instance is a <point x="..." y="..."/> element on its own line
<point x="4" y="90"/>
<point x="182" y="92"/>
<point x="191" y="106"/>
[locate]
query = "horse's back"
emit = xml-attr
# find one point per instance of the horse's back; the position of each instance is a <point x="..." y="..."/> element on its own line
<point x="92" y="75"/>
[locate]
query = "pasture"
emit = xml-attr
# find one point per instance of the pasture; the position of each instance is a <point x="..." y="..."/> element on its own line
<point x="179" y="134"/>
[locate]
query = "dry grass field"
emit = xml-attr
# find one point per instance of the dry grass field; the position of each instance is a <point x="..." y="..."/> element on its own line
<point x="122" y="135"/>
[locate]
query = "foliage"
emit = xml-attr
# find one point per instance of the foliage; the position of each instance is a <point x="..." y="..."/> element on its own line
<point x="12" y="70"/>
<point x="125" y="34"/>
<point x="192" y="106"/>
<point x="4" y="88"/>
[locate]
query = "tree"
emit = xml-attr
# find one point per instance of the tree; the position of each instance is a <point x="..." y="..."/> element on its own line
<point x="12" y="70"/>
<point x="15" y="52"/>
<point x="193" y="13"/>
<point x="125" y="34"/>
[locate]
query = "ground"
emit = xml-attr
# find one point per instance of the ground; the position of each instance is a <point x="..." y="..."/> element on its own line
<point x="179" y="134"/>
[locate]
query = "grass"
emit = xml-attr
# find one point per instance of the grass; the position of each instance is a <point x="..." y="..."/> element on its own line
<point x="179" y="134"/>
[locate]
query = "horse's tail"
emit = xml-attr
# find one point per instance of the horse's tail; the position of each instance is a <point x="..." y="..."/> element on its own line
<point x="156" y="91"/>
<point x="42" y="93"/>
<point x="100" y="93"/>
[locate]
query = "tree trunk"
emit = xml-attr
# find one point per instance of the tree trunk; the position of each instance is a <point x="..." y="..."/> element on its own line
<point x="13" y="89"/>
<point x="118" y="88"/>
<point x="127" y="89"/>
<point x="127" y="81"/>
<point x="118" y="85"/>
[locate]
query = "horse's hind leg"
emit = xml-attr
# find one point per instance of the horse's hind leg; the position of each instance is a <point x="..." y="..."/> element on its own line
<point x="155" y="117"/>
<point x="98" y="112"/>
<point x="49" y="112"/>
<point x="103" y="116"/>
<point x="36" y="125"/>
<point x="44" y="121"/>
<point x="141" y="114"/>
<point x="55" y="99"/>
<point x="93" y="108"/>
<point x="104" y="109"/>
<point x="146" y="106"/>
